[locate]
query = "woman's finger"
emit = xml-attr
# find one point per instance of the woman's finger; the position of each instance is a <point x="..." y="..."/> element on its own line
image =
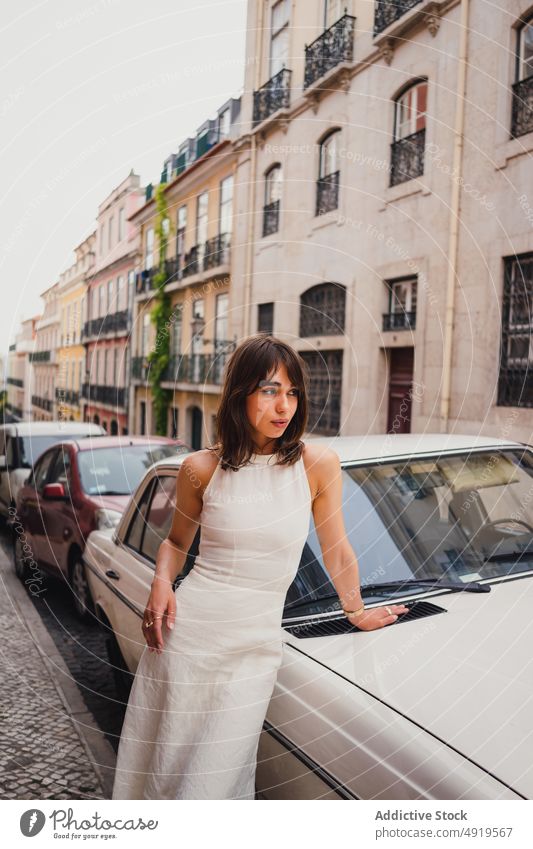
<point x="171" y="611"/>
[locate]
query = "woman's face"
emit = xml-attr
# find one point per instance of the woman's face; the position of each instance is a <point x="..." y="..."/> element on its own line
<point x="275" y="400"/>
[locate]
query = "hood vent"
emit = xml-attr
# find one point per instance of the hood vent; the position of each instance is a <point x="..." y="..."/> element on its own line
<point x="341" y="625"/>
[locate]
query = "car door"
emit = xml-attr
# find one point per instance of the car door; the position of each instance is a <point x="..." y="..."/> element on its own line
<point x="131" y="570"/>
<point x="31" y="505"/>
<point x="3" y="474"/>
<point x="59" y="516"/>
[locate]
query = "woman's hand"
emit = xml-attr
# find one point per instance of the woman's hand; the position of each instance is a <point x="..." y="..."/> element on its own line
<point x="161" y="606"/>
<point x="377" y="617"/>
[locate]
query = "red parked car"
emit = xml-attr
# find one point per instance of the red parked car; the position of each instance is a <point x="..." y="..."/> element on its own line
<point x="76" y="487"/>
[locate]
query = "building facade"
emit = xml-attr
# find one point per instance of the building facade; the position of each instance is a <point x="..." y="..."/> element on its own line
<point x="198" y="189"/>
<point x="71" y="352"/>
<point x="19" y="378"/>
<point x="107" y="317"/>
<point x="383" y="164"/>
<point x="44" y="358"/>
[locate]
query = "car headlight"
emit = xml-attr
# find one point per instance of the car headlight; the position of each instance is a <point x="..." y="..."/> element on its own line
<point x="107" y="519"/>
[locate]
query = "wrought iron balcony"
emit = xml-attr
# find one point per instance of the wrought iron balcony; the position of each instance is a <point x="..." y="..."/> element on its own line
<point x="522" y="111"/>
<point x="139" y="368"/>
<point x="515" y="387"/>
<point x="191" y="263"/>
<point x="386" y="12"/>
<point x="271" y="218"/>
<point x="196" y="368"/>
<point x="67" y="396"/>
<point x="334" y="46"/>
<point x="113" y="395"/>
<point x="327" y="193"/>
<point x="407" y="158"/>
<point x="15" y="381"/>
<point x="114" y="322"/>
<point x="40" y="357"/>
<point x="216" y="251"/>
<point x="43" y="403"/>
<point x="399" y="320"/>
<point x="273" y="95"/>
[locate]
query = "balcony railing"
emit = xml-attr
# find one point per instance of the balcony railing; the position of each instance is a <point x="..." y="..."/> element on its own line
<point x="15" y="411"/>
<point x="399" y="320"/>
<point x="112" y="395"/>
<point x="216" y="251"/>
<point x="15" y="381"/>
<point x="334" y="46"/>
<point x="191" y="263"/>
<point x="327" y="193"/>
<point x="271" y="218"/>
<point x="43" y="403"/>
<point x="515" y="387"/>
<point x="40" y="357"/>
<point x="139" y="368"/>
<point x="114" y="322"/>
<point x="273" y="95"/>
<point x="196" y="368"/>
<point x="522" y="111"/>
<point x="67" y="396"/>
<point x="407" y="158"/>
<point x="388" y="11"/>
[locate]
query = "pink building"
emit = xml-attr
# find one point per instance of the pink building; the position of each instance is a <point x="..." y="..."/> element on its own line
<point x="107" y="319"/>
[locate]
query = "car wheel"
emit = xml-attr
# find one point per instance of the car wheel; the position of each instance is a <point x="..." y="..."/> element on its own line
<point x="83" y="602"/>
<point x="123" y="677"/>
<point x="21" y="566"/>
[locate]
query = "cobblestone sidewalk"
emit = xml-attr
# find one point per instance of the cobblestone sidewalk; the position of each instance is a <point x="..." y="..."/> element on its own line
<point x="51" y="747"/>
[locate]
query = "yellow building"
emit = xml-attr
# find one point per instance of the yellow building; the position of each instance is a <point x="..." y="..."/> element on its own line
<point x="198" y="189"/>
<point x="71" y="353"/>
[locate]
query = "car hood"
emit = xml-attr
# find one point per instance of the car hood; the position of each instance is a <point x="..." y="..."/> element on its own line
<point x="465" y="676"/>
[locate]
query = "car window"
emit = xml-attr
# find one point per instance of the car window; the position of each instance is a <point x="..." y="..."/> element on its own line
<point x="134" y="533"/>
<point x="41" y="470"/>
<point x="31" y="447"/>
<point x="62" y="470"/>
<point x="462" y="517"/>
<point x="11" y="454"/>
<point x="159" y="516"/>
<point x="118" y="471"/>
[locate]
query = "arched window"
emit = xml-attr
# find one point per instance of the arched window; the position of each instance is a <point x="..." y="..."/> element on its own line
<point x="407" y="154"/>
<point x="522" y="112"/>
<point x="327" y="195"/>
<point x="273" y="178"/>
<point x="322" y="310"/>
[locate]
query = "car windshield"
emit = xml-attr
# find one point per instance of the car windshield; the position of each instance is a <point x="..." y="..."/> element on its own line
<point x="457" y="518"/>
<point x="117" y="471"/>
<point x="31" y="447"/>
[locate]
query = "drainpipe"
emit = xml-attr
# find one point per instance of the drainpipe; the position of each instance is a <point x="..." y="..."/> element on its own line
<point x="251" y="188"/>
<point x="455" y="208"/>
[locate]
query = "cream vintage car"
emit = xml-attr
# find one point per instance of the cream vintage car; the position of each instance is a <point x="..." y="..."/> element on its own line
<point x="435" y="706"/>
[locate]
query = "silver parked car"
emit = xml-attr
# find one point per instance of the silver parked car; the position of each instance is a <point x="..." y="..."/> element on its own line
<point x="435" y="706"/>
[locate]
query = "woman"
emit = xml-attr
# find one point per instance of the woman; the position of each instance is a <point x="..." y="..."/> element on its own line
<point x="200" y="696"/>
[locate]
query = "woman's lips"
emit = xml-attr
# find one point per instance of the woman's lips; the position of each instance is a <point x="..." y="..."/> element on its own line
<point x="280" y="423"/>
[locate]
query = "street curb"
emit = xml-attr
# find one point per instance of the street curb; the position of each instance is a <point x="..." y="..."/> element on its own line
<point x="100" y="753"/>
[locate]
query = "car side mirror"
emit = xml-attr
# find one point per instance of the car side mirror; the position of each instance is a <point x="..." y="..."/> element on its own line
<point x="54" y="491"/>
<point x="3" y="465"/>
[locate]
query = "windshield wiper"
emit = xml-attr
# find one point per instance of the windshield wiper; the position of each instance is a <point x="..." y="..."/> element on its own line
<point x="509" y="555"/>
<point x="437" y="583"/>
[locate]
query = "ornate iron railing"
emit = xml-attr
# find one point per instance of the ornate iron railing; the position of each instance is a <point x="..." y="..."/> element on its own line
<point x="522" y="110"/>
<point x="327" y="193"/>
<point x="216" y="251"/>
<point x="399" y="320"/>
<point x="43" y="403"/>
<point x="334" y="46"/>
<point x="271" y="218"/>
<point x="114" y="322"/>
<point x="113" y="395"/>
<point x="388" y="11"/>
<point x="273" y="95"/>
<point x="196" y="368"/>
<point x="407" y="158"/>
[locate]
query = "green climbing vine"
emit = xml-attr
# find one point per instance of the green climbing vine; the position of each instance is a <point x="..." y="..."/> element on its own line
<point x="160" y="316"/>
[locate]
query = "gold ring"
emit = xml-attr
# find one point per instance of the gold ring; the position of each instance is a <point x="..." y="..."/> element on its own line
<point x="389" y="611"/>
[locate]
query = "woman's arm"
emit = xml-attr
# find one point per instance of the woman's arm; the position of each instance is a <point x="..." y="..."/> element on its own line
<point x="339" y="557"/>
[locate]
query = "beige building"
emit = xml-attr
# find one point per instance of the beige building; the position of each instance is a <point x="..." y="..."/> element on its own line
<point x="71" y="352"/>
<point x="198" y="182"/>
<point x="44" y="358"/>
<point x="384" y="166"/>
<point x="19" y="372"/>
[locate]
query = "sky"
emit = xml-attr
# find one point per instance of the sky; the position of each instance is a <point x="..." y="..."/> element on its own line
<point x="91" y="89"/>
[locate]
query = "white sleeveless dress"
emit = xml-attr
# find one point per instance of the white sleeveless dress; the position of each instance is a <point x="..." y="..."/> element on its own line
<point x="196" y="711"/>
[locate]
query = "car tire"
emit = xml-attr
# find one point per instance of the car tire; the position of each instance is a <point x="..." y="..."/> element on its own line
<point x="20" y="562"/>
<point x="123" y="677"/>
<point x="81" y="592"/>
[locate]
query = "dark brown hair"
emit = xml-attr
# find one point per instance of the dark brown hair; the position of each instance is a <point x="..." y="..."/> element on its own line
<point x="256" y="359"/>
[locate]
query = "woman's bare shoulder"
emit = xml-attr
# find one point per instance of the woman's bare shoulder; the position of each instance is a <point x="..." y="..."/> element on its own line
<point x="201" y="464"/>
<point x="321" y="464"/>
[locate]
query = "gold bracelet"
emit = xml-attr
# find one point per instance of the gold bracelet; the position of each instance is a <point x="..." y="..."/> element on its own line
<point x="351" y="612"/>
